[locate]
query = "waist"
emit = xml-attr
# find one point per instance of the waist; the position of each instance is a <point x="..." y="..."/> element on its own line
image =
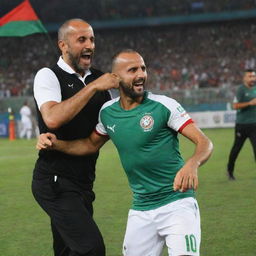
<point x="79" y="170"/>
<point x="152" y="201"/>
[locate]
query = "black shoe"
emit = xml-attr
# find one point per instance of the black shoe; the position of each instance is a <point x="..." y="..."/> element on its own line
<point x="230" y="175"/>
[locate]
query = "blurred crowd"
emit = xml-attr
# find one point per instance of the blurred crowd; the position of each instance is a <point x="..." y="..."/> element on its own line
<point x="57" y="11"/>
<point x="181" y="57"/>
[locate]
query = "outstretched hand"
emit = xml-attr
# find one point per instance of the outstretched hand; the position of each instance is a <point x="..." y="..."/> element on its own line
<point x="46" y="141"/>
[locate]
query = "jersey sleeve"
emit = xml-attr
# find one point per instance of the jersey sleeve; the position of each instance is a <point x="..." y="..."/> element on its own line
<point x="46" y="87"/>
<point x="100" y="129"/>
<point x="179" y="118"/>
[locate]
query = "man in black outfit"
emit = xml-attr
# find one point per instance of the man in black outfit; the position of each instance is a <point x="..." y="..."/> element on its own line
<point x="68" y="98"/>
<point x="245" y="104"/>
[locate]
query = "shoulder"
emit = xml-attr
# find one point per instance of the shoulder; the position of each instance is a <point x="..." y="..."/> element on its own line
<point x="45" y="79"/>
<point x="167" y="102"/>
<point x="109" y="103"/>
<point x="45" y="73"/>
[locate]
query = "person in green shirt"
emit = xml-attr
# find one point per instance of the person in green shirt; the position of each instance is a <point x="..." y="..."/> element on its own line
<point x="144" y="128"/>
<point x="245" y="127"/>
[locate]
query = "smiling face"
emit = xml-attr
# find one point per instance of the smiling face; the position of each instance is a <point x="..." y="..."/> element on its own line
<point x="130" y="67"/>
<point x="77" y="45"/>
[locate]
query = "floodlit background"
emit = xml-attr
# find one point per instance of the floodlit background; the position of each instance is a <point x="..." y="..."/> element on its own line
<point x="196" y="52"/>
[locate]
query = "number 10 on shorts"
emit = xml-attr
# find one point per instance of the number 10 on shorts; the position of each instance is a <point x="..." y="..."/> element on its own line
<point x="191" y="243"/>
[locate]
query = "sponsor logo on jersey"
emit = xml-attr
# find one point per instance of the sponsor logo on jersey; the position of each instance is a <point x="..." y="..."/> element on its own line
<point x="71" y="86"/>
<point x="147" y="123"/>
<point x="111" y="128"/>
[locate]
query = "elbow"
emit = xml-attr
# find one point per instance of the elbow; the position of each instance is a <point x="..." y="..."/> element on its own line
<point x="52" y="124"/>
<point x="210" y="147"/>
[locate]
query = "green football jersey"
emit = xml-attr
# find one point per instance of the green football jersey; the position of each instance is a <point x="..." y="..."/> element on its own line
<point x="148" y="146"/>
<point x="245" y="115"/>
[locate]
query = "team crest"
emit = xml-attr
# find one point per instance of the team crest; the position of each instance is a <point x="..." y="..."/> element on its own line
<point x="146" y="123"/>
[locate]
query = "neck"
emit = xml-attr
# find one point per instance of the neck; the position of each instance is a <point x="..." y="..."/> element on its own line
<point x="128" y="103"/>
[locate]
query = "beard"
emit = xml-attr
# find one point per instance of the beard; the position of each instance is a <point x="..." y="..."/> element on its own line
<point x="75" y="61"/>
<point x="129" y="91"/>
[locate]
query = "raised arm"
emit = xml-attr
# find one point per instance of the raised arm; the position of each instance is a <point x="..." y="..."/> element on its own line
<point x="187" y="177"/>
<point x="56" y="114"/>
<point x="90" y="145"/>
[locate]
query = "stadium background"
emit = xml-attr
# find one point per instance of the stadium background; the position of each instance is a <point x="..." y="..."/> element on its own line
<point x="196" y="51"/>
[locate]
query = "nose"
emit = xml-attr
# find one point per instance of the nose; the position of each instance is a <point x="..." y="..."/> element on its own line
<point x="142" y="73"/>
<point x="88" y="44"/>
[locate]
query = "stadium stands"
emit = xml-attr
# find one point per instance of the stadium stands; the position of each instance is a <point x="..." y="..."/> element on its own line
<point x="180" y="58"/>
<point x="58" y="11"/>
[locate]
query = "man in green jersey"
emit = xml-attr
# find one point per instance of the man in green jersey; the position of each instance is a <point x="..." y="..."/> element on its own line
<point x="164" y="209"/>
<point x="245" y="104"/>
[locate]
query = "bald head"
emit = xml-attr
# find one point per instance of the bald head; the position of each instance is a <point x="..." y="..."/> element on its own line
<point x="71" y="26"/>
<point x="124" y="57"/>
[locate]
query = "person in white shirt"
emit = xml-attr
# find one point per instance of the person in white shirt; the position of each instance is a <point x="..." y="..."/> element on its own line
<point x="26" y="122"/>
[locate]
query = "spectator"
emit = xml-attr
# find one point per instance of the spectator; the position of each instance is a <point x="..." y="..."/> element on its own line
<point x="26" y="121"/>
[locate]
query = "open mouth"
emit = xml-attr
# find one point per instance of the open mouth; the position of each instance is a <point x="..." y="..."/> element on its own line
<point x="86" y="56"/>
<point x="139" y="83"/>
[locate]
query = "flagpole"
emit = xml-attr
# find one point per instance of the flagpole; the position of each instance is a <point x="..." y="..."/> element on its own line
<point x="52" y="45"/>
<point x="54" y="48"/>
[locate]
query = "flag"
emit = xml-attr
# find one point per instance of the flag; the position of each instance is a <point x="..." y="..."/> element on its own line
<point x="21" y="21"/>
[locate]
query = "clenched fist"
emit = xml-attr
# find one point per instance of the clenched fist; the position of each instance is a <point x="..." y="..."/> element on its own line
<point x="106" y="82"/>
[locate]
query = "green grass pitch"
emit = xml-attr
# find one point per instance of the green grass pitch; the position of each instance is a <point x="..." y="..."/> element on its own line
<point x="228" y="209"/>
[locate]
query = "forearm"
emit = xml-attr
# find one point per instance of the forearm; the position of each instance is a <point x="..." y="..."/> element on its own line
<point x="202" y="152"/>
<point x="75" y="147"/>
<point x="85" y="146"/>
<point x="240" y="105"/>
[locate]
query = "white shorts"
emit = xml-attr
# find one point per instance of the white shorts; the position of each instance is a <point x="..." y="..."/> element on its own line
<point x="176" y="224"/>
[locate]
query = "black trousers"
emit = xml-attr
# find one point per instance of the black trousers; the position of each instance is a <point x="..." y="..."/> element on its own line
<point x="74" y="231"/>
<point x="242" y="132"/>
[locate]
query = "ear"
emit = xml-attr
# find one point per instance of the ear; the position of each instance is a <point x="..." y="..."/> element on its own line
<point x="62" y="45"/>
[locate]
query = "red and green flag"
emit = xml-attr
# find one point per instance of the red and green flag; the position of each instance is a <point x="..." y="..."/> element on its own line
<point x="21" y="21"/>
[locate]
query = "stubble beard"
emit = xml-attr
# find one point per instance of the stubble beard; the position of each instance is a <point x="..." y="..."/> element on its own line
<point x="130" y="92"/>
<point x="75" y="63"/>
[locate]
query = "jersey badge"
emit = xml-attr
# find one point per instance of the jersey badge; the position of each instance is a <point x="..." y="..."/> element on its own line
<point x="147" y="123"/>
